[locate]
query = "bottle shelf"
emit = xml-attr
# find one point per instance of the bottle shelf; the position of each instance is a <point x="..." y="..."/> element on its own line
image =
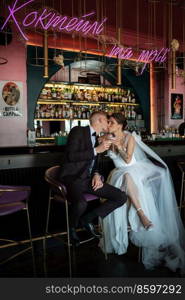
<point x="73" y="102"/>
<point x="72" y="119"/>
<point x="65" y="119"/>
<point x="45" y="138"/>
<point x="83" y="85"/>
<point x="64" y="101"/>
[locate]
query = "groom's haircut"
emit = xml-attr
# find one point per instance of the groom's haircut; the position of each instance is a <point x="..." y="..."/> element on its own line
<point x="95" y="116"/>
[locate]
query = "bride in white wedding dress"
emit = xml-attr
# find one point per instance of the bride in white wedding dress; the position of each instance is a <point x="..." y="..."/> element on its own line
<point x="150" y="219"/>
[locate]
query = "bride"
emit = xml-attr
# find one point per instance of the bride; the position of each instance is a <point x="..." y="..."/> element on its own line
<point x="150" y="219"/>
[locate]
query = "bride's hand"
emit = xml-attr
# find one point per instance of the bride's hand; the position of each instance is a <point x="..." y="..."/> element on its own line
<point x="117" y="143"/>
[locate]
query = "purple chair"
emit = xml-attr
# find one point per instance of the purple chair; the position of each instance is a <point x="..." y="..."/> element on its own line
<point x="12" y="200"/>
<point x="58" y="192"/>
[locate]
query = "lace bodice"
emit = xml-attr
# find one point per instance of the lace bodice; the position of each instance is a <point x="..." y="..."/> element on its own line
<point x="117" y="159"/>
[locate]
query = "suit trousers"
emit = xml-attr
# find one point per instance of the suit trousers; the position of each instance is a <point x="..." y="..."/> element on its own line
<point x="76" y="189"/>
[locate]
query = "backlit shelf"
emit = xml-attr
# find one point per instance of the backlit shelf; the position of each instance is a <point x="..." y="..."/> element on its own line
<point x="67" y="119"/>
<point x="73" y="102"/>
<point x="45" y="138"/>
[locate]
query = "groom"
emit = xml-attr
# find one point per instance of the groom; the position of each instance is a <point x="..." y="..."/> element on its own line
<point x="80" y="174"/>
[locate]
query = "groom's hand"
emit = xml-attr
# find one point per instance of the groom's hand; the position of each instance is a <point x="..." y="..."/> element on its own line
<point x="104" y="146"/>
<point x="97" y="182"/>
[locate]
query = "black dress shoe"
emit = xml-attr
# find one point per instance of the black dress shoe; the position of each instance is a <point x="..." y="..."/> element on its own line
<point x="74" y="239"/>
<point x="90" y="228"/>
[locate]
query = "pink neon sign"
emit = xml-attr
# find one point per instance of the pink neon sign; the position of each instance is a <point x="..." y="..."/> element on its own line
<point x="48" y="20"/>
<point x="145" y="56"/>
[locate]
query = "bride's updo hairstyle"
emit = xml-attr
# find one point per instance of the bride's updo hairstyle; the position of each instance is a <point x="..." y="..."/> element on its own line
<point x="120" y="119"/>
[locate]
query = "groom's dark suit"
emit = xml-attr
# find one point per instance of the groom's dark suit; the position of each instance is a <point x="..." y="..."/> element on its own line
<point x="75" y="173"/>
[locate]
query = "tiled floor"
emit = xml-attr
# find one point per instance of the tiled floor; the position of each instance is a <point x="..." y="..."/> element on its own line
<point x="88" y="261"/>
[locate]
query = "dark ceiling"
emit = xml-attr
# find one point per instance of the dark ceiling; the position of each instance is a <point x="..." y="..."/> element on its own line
<point x="161" y="19"/>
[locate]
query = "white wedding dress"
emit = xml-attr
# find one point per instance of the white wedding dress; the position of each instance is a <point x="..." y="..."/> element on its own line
<point x="151" y="183"/>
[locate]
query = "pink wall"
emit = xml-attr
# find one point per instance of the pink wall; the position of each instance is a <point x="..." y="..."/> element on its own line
<point x="13" y="130"/>
<point x="180" y="89"/>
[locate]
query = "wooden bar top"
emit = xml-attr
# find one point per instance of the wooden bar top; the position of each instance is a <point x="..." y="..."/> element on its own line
<point x="51" y="147"/>
<point x="27" y="149"/>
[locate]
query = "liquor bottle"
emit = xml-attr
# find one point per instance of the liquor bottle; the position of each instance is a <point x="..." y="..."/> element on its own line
<point x="60" y="112"/>
<point x="129" y="112"/>
<point x="75" y="114"/>
<point x="38" y="130"/>
<point x="88" y="95"/>
<point x="74" y="95"/>
<point x="56" y="112"/>
<point x="49" y="96"/>
<point x="125" y="112"/>
<point x="48" y="112"/>
<point x="99" y="96"/>
<point x="58" y="94"/>
<point x="120" y="96"/>
<point x="123" y="98"/>
<point x="37" y="112"/>
<point x="102" y="95"/>
<point x="87" y="113"/>
<point x="173" y="133"/>
<point x="42" y="112"/>
<point x="94" y="97"/>
<point x="176" y="133"/>
<point x="85" y="94"/>
<point x="97" y="99"/>
<point x="52" y="112"/>
<point x="67" y="111"/>
<point x="70" y="93"/>
<point x="66" y="93"/>
<point x="61" y="94"/>
<point x="79" y="113"/>
<point x="43" y="94"/>
<point x="78" y="94"/>
<point x="116" y="99"/>
<point x="64" y="111"/>
<point x="133" y="100"/>
<point x="82" y="95"/>
<point x="83" y="113"/>
<point x="170" y="133"/>
<point x="109" y="96"/>
<point x="133" y="113"/>
<point x="105" y="96"/>
<point x="53" y="93"/>
<point x="70" y="113"/>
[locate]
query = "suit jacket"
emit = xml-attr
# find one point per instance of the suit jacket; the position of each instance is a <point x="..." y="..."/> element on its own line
<point x="79" y="154"/>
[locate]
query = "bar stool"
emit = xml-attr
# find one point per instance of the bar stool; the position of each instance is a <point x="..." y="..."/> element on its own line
<point x="12" y="200"/>
<point x="58" y="193"/>
<point x="181" y="166"/>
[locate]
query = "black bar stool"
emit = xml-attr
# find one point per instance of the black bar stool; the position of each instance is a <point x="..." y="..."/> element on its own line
<point x="58" y="193"/>
<point x="12" y="200"/>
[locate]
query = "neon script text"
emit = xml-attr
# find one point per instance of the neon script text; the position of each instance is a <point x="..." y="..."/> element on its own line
<point x="145" y="56"/>
<point x="49" y="19"/>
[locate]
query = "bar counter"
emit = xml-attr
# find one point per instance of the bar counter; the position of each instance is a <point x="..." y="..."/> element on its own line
<point x="26" y="165"/>
<point x="49" y="154"/>
<point x="30" y="156"/>
<point x="28" y="149"/>
<point x="51" y="147"/>
<point x="168" y="147"/>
